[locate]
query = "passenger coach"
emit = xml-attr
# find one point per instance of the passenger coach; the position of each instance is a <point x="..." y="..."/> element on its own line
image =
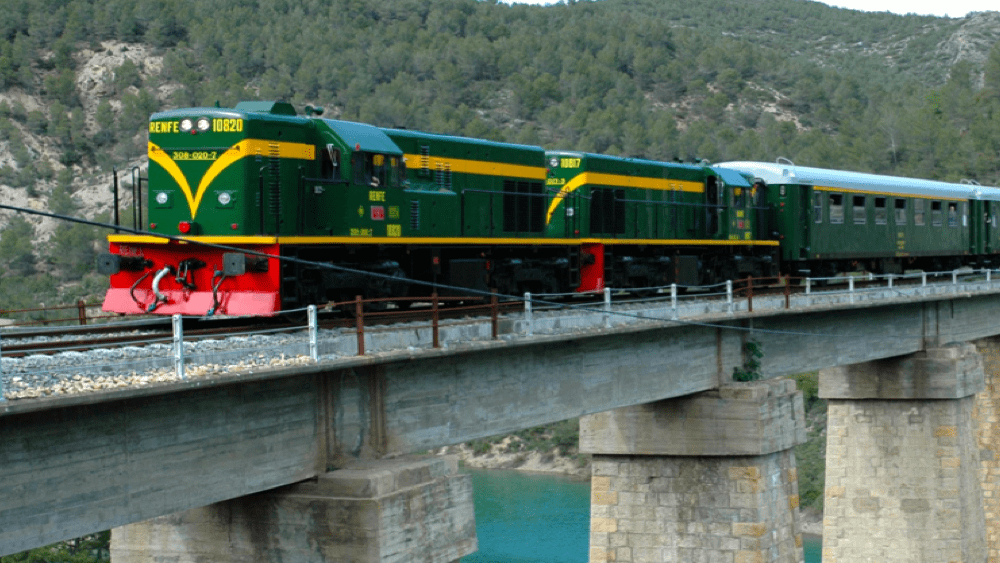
<point x="830" y="221"/>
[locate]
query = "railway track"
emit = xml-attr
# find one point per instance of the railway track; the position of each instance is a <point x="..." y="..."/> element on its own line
<point x="356" y="315"/>
<point x="52" y="340"/>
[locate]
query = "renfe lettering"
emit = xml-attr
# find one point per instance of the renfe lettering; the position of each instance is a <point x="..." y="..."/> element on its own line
<point x="164" y="127"/>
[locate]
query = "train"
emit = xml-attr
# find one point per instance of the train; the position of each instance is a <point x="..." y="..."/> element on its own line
<point x="256" y="209"/>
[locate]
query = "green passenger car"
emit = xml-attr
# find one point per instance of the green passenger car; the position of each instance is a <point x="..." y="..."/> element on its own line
<point x="834" y="221"/>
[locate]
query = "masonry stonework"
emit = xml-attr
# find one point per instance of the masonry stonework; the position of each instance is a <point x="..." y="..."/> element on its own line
<point x="902" y="464"/>
<point x="390" y="511"/>
<point x="710" y="478"/>
<point x="986" y="421"/>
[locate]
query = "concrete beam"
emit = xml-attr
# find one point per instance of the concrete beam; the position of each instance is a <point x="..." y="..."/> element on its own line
<point x="739" y="419"/>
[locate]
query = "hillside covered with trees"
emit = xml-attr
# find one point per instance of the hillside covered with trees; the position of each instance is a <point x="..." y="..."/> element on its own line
<point x="905" y="95"/>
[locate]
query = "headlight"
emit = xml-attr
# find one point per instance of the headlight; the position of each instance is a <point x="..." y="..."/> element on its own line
<point x="161" y="198"/>
<point x="186" y="125"/>
<point x="204" y="124"/>
<point x="224" y="198"/>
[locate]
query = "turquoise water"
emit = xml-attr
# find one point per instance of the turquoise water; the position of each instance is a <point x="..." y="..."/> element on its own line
<point x="530" y="518"/>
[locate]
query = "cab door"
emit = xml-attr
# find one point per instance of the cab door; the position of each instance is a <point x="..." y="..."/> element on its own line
<point x="988" y="221"/>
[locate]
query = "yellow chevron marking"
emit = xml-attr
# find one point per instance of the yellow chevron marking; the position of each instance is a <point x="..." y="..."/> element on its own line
<point x="619" y="181"/>
<point x="246" y="147"/>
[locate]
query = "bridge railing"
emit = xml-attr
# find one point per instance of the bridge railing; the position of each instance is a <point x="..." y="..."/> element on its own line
<point x="79" y="313"/>
<point x="452" y="321"/>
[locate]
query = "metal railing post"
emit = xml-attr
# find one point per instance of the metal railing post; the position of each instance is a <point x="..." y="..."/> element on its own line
<point x="359" y="316"/>
<point x="673" y="300"/>
<point x="435" y="319"/>
<point x="889" y="277"/>
<point x="528" y="320"/>
<point x="749" y="294"/>
<point x="3" y="397"/>
<point x="850" y="287"/>
<point x="923" y="279"/>
<point x="808" y="286"/>
<point x="607" y="307"/>
<point x="313" y="333"/>
<point x="954" y="277"/>
<point x="729" y="296"/>
<point x="494" y="314"/>
<point x="81" y="307"/>
<point x="178" y="326"/>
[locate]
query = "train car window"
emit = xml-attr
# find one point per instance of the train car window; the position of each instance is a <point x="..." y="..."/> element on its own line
<point x="881" y="212"/>
<point x="918" y="212"/>
<point x="858" y="210"/>
<point x="900" y="211"/>
<point x="836" y="209"/>
<point x="936" y="214"/>
<point x="817" y="207"/>
<point x="952" y="214"/>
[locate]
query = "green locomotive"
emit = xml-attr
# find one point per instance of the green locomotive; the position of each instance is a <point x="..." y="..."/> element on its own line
<point x="409" y="205"/>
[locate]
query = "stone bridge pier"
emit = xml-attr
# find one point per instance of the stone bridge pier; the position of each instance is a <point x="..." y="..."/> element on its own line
<point x="704" y="478"/>
<point x="398" y="510"/>
<point x="905" y="474"/>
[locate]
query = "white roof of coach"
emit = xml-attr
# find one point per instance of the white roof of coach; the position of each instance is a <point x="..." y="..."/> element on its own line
<point x="787" y="173"/>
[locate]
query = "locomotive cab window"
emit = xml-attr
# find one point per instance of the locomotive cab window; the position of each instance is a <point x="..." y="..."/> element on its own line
<point x="900" y="211"/>
<point x="936" y="215"/>
<point x="817" y="207"/>
<point x="739" y="198"/>
<point x="881" y="212"/>
<point x="836" y="209"/>
<point x="918" y="212"/>
<point x="330" y="163"/>
<point x="952" y="214"/>
<point x="371" y="169"/>
<point x="858" y="210"/>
